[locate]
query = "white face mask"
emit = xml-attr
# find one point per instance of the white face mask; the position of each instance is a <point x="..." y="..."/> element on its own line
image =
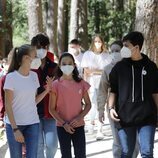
<point x="74" y="51"/>
<point x="36" y="63"/>
<point x="115" y="56"/>
<point x="98" y="45"/>
<point x="126" y="52"/>
<point x="41" y="53"/>
<point x="67" y="69"/>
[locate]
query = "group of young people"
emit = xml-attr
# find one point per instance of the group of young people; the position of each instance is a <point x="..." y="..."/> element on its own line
<point x="46" y="102"/>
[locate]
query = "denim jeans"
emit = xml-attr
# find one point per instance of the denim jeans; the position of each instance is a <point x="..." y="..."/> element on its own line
<point x="48" y="139"/>
<point x="146" y="136"/>
<point x="77" y="139"/>
<point x="30" y="135"/>
<point x="116" y="147"/>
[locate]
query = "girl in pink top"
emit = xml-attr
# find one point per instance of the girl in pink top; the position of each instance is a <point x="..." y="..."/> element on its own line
<point x="66" y="107"/>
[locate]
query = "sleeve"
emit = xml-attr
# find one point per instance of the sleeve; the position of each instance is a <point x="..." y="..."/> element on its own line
<point x="54" y="86"/>
<point x="103" y="91"/>
<point x="84" y="62"/>
<point x="8" y="84"/>
<point x="113" y="78"/>
<point x="86" y="86"/>
<point x="155" y="90"/>
<point x="37" y="84"/>
<point x="2" y="107"/>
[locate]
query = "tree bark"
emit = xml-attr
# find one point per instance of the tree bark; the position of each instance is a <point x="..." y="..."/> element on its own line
<point x="61" y="26"/>
<point x="35" y="21"/>
<point x="52" y="25"/>
<point x="147" y="23"/>
<point x="83" y="31"/>
<point x="74" y="20"/>
<point x="5" y="28"/>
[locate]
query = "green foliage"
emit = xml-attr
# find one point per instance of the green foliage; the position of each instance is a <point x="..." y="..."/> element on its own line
<point x="109" y="21"/>
<point x="20" y="24"/>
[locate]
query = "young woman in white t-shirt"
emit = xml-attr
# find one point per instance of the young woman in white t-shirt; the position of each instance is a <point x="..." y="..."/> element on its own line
<point x="22" y="121"/>
<point x="93" y="62"/>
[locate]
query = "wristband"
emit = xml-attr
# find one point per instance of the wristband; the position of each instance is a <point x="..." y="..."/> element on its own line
<point x="64" y="123"/>
<point x="110" y="108"/>
<point x="15" y="129"/>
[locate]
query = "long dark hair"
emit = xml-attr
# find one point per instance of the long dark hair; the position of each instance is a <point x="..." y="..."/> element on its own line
<point x="18" y="53"/>
<point x="75" y="73"/>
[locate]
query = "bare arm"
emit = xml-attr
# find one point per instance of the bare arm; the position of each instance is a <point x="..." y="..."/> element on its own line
<point x="111" y="106"/>
<point x="8" y="105"/>
<point x="155" y="98"/>
<point x="39" y="97"/>
<point x="53" y="112"/>
<point x="89" y="71"/>
<point x="86" y="109"/>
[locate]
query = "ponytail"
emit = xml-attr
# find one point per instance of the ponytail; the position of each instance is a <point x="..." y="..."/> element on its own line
<point x="14" y="65"/>
<point x="18" y="53"/>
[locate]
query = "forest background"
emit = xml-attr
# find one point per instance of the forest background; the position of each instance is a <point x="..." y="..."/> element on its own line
<point x="64" y="20"/>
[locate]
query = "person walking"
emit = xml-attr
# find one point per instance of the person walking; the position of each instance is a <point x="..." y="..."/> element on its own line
<point x="75" y="51"/>
<point x="103" y="94"/>
<point x="93" y="62"/>
<point x="22" y="121"/>
<point x="48" y="140"/>
<point x="66" y="107"/>
<point x="133" y="97"/>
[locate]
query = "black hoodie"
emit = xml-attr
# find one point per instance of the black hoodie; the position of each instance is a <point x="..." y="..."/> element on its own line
<point x="134" y="82"/>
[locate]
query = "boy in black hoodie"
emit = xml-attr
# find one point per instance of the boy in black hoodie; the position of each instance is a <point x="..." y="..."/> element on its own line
<point x="132" y="101"/>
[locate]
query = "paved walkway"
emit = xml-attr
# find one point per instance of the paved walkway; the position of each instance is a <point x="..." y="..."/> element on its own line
<point x="95" y="149"/>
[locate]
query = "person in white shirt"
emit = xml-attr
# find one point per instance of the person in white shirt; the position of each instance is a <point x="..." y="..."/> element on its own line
<point x="93" y="62"/>
<point x="22" y="121"/>
<point x="75" y="50"/>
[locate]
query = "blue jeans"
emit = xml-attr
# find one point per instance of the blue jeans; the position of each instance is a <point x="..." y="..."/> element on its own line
<point x="30" y="135"/>
<point x="48" y="139"/>
<point x="145" y="135"/>
<point x="77" y="139"/>
<point x="116" y="147"/>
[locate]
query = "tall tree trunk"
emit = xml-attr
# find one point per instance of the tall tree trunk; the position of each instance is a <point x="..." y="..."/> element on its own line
<point x="147" y="23"/>
<point x="35" y="21"/>
<point x="73" y="20"/>
<point x="97" y="17"/>
<point x="83" y="31"/>
<point x="119" y="5"/>
<point x="66" y="36"/>
<point x="5" y="28"/>
<point x="61" y="25"/>
<point x="52" y="25"/>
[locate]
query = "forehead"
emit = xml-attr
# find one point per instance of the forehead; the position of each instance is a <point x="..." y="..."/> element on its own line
<point x="97" y="39"/>
<point x="127" y="44"/>
<point x="73" y="45"/>
<point x="67" y="60"/>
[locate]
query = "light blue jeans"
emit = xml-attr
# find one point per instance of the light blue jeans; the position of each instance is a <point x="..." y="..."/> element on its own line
<point x="48" y="139"/>
<point x="116" y="148"/>
<point x="30" y="135"/>
<point x="146" y="136"/>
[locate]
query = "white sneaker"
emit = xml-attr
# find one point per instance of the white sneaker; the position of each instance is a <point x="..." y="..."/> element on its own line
<point x="91" y="129"/>
<point x="99" y="136"/>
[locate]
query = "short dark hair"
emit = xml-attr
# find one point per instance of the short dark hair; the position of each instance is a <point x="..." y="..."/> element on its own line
<point x="75" y="41"/>
<point x="118" y="42"/>
<point x="40" y="40"/>
<point x="135" y="37"/>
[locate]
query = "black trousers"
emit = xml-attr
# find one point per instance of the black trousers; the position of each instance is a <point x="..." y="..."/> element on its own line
<point x="77" y="139"/>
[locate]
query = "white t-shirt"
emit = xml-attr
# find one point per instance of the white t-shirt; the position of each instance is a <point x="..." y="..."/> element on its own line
<point x="94" y="61"/>
<point x="24" y="92"/>
<point x="78" y="60"/>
